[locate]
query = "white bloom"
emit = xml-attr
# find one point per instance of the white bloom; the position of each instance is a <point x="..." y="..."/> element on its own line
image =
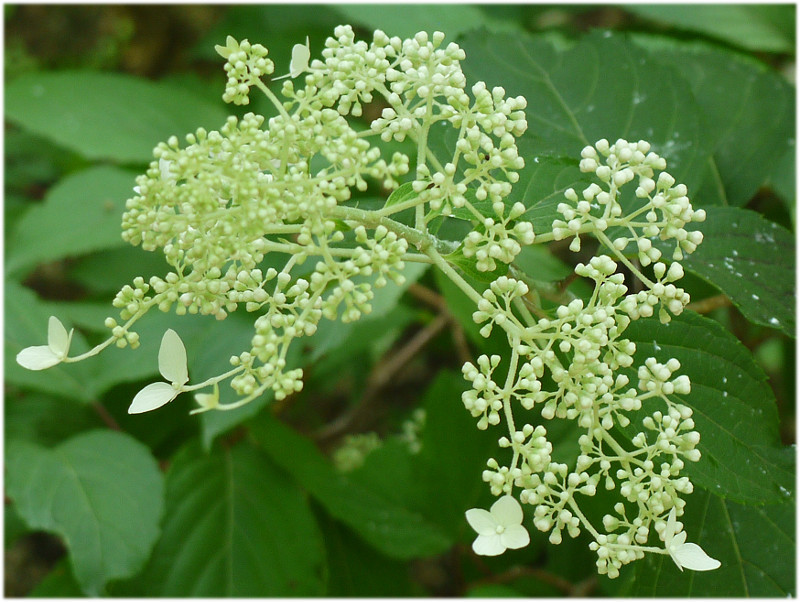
<point x="498" y="529"/>
<point x="299" y="63"/>
<point x="686" y="555"/>
<point x="172" y="365"/>
<point x="46" y="356"/>
<point x="164" y="167"/>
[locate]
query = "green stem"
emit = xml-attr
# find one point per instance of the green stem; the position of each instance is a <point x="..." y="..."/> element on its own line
<point x="607" y="242"/>
<point x="454" y="276"/>
<point x="212" y="380"/>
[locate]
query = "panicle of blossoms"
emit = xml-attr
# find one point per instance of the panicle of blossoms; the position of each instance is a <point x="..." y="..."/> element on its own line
<point x="219" y="203"/>
<point x="245" y="62"/>
<point x="572" y="366"/>
<point x="425" y="88"/>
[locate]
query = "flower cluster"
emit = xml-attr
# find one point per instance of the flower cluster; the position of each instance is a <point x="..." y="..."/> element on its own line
<point x="261" y="216"/>
<point x="218" y="204"/>
<point x="572" y="366"/>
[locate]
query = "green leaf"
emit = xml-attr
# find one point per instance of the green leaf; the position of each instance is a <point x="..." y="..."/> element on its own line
<point x="46" y="420"/>
<point x="354" y="569"/>
<point x="602" y="87"/>
<point x="100" y="491"/>
<point x="761" y="27"/>
<point x="405" y="21"/>
<point x="234" y="526"/>
<point x="404" y="192"/>
<point x="388" y="527"/>
<point x="467" y="265"/>
<point x="734" y="407"/>
<point x="541" y="188"/>
<point x="752" y="261"/>
<point x="748" y="116"/>
<point x="541" y="265"/>
<point x="347" y="351"/>
<point x="108" y="271"/>
<point x="106" y="116"/>
<point x="81" y="214"/>
<point x="783" y="179"/>
<point x="453" y="456"/>
<point x="13" y="527"/>
<point x="755" y="544"/>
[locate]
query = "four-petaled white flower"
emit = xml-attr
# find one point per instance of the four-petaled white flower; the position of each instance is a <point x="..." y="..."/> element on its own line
<point x="172" y="365"/>
<point x="686" y="555"/>
<point x="299" y="63"/>
<point x="500" y="528"/>
<point x="46" y="356"/>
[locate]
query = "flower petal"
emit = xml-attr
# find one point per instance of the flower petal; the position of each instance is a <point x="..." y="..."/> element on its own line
<point x="483" y="522"/>
<point x="669" y="531"/>
<point x="37" y="358"/>
<point x="515" y="537"/>
<point x="172" y="358"/>
<point x="488" y="545"/>
<point x="231" y="46"/>
<point x="692" y="556"/>
<point x="507" y="511"/>
<point x="57" y="337"/>
<point x="164" y="167"/>
<point x="300" y="55"/>
<point x="153" y="396"/>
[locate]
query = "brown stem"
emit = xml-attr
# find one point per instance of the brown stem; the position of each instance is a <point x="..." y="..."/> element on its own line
<point x="437" y="301"/>
<point x="107" y="418"/>
<point x="381" y="375"/>
<point x="708" y="305"/>
<point x="426" y="295"/>
<point x="566" y="587"/>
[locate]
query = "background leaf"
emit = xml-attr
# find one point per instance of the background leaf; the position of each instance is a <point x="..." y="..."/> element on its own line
<point x="405" y="21"/>
<point x="234" y="526"/>
<point x="603" y="86"/>
<point x="385" y="525"/>
<point x="82" y="213"/>
<point x="447" y="467"/>
<point x="78" y="110"/>
<point x="106" y="506"/>
<point x="734" y="407"/>
<point x="748" y="116"/>
<point x="402" y="193"/>
<point x="45" y="419"/>
<point x="755" y="544"/>
<point x="752" y="261"/>
<point x="764" y="27"/>
<point x="355" y="569"/>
